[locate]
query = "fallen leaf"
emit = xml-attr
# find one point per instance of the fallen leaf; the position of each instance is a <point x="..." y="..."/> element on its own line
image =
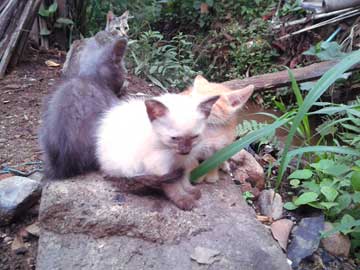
<point x="264" y="219"/>
<point x="204" y="8"/>
<point x="268" y="158"/>
<point x="205" y="255"/>
<point x="51" y="63"/>
<point x="281" y="229"/>
<point x="33" y="229"/>
<point x="270" y="204"/>
<point x="18" y="245"/>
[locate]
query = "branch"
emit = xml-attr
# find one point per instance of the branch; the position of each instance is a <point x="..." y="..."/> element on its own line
<point x="281" y="78"/>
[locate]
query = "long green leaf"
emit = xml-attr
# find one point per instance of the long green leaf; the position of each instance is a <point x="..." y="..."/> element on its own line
<point x="320" y="87"/>
<point x="300" y="101"/>
<point x="333" y="109"/>
<point x="230" y="150"/>
<point x="320" y="149"/>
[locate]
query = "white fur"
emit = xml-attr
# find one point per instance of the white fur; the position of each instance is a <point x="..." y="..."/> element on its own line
<point x="128" y="144"/>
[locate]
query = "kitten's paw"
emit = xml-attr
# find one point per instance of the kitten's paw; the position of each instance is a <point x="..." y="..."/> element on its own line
<point x="185" y="203"/>
<point x="211" y="179"/>
<point x="191" y="190"/>
<point x="194" y="192"/>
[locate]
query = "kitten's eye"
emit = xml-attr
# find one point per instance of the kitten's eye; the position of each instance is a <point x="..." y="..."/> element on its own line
<point x="174" y="138"/>
<point x="194" y="137"/>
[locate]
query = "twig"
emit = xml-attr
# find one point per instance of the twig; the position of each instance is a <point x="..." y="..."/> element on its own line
<point x="332" y="20"/>
<point x="281" y="78"/>
<point x="312" y="17"/>
<point x="14" y="39"/>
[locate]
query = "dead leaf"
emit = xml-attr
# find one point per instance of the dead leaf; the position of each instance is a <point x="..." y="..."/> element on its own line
<point x="270" y="204"/>
<point x="18" y="245"/>
<point x="51" y="63"/>
<point x="205" y="255"/>
<point x="268" y="158"/>
<point x="281" y="229"/>
<point x="33" y="229"/>
<point x="264" y="219"/>
<point x="204" y="8"/>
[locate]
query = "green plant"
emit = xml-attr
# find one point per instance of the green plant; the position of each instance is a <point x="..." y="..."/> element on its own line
<point x="236" y="51"/>
<point x="290" y="7"/>
<point x="53" y="22"/>
<point x="164" y="63"/>
<point x="248" y="197"/>
<point x="248" y="126"/>
<point x="320" y="87"/>
<point x="341" y="124"/>
<point x="326" y="51"/>
<point x="326" y="184"/>
<point x="333" y="185"/>
<point x="144" y="13"/>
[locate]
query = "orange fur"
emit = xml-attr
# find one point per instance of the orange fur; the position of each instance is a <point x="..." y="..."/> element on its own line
<point x="223" y="119"/>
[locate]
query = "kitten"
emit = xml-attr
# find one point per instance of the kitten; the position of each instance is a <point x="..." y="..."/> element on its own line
<point x="71" y="113"/>
<point x="223" y="119"/>
<point x="116" y="24"/>
<point x="154" y="136"/>
<point x="81" y="50"/>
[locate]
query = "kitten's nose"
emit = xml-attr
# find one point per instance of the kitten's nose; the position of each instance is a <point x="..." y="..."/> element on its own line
<point x="184" y="150"/>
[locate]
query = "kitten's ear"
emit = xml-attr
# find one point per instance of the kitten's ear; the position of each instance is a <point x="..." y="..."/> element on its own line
<point x="125" y="15"/>
<point x="155" y="109"/>
<point x="199" y="83"/>
<point x="236" y="99"/>
<point x="119" y="49"/>
<point x="109" y="17"/>
<point x="206" y="105"/>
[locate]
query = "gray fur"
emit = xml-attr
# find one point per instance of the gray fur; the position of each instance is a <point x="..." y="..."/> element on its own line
<point x="72" y="111"/>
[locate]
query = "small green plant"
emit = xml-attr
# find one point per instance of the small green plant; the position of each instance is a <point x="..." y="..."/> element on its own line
<point x="341" y="124"/>
<point x="333" y="185"/>
<point x="326" y="184"/>
<point x="248" y="126"/>
<point x="236" y="51"/>
<point x="326" y="51"/>
<point x="52" y="22"/>
<point x="248" y="197"/>
<point x="164" y="63"/>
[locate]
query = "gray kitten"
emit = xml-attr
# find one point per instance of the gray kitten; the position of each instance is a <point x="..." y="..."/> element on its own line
<point x="72" y="111"/>
<point x="117" y="24"/>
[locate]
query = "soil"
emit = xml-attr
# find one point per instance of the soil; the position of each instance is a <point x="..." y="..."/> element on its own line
<point x="21" y="95"/>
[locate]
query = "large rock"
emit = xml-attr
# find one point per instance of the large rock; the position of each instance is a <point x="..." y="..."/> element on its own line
<point x="88" y="223"/>
<point x="17" y="194"/>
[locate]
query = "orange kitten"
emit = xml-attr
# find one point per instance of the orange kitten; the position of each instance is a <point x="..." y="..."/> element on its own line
<point x="224" y="117"/>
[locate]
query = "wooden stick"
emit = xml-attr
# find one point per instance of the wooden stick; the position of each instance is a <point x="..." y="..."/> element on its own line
<point x="312" y="17"/>
<point x="281" y="78"/>
<point x="338" y="18"/>
<point x="26" y="32"/>
<point x="14" y="39"/>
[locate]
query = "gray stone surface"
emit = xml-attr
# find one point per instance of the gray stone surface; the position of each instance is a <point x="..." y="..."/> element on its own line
<point x="17" y="194"/>
<point x="305" y="239"/>
<point x="88" y="223"/>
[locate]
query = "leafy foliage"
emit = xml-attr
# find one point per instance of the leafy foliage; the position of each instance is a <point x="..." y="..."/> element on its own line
<point x="164" y="63"/>
<point x="326" y="51"/>
<point x="333" y="185"/>
<point x="248" y="126"/>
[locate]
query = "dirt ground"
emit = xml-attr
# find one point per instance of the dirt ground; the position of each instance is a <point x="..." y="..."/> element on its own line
<point x="21" y="95"/>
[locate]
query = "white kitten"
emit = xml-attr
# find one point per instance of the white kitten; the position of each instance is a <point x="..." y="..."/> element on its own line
<point x="154" y="136"/>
